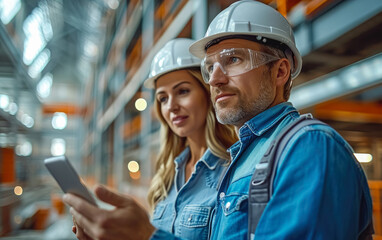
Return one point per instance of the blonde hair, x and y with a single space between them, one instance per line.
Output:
218 137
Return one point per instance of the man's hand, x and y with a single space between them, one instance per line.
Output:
128 220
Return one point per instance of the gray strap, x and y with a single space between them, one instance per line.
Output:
260 189
308 120
367 234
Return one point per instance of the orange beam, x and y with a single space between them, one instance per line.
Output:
266 1
284 6
375 191
163 10
315 6
350 111
5 217
69 109
132 127
7 165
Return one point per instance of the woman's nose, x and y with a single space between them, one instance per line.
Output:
173 104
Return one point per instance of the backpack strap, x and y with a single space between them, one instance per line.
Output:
367 234
261 185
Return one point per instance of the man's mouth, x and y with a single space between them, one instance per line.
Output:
222 96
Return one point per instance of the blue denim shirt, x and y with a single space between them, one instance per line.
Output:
319 191
186 211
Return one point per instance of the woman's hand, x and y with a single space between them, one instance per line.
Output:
128 220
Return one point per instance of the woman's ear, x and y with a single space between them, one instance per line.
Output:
282 68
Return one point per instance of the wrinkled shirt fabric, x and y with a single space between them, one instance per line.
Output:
186 212
319 191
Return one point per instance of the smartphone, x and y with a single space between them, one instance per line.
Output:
67 177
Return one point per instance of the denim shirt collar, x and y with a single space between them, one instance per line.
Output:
182 158
208 159
262 122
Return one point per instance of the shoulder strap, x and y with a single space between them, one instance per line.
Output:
260 189
367 234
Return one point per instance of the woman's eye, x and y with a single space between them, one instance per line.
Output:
183 91
162 99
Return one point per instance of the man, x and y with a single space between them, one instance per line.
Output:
319 190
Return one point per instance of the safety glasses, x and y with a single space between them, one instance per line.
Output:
234 61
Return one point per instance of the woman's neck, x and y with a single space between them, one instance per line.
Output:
197 149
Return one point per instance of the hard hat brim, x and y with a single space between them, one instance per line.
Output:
150 82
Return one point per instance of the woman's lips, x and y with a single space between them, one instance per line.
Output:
179 120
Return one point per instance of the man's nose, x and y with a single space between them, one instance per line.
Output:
218 76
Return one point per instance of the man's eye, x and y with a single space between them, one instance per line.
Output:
233 60
210 68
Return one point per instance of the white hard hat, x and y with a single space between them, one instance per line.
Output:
173 56
250 18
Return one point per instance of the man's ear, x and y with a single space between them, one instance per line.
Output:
282 68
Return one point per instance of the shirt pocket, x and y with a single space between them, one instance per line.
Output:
234 202
158 212
162 218
194 216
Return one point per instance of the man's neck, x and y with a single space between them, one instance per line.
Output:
274 103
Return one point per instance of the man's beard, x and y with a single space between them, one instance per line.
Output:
246 108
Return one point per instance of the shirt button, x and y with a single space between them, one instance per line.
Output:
190 218
222 194
227 205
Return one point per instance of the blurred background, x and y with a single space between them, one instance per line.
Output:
71 74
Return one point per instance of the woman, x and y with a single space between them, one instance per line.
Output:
193 156
191 161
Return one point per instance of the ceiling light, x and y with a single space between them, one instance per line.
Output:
27 120
8 10
363 157
39 63
18 190
133 166
113 4
90 49
12 108
140 104
44 86
59 120
4 101
24 149
38 31
58 147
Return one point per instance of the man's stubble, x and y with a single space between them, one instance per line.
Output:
246 108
